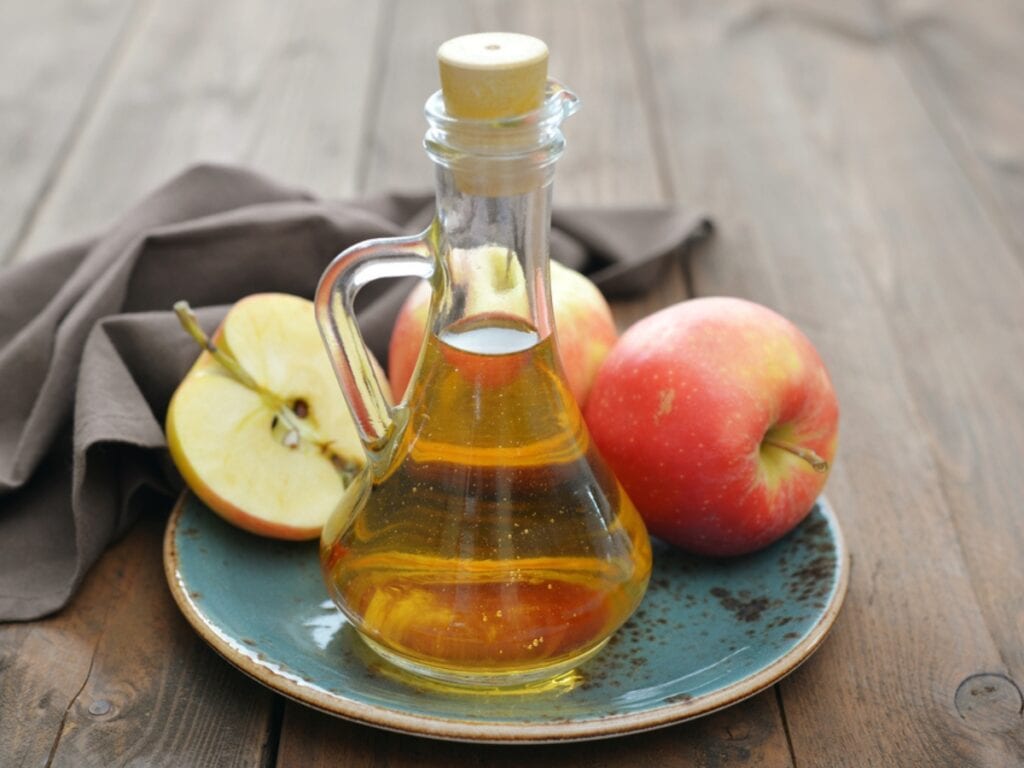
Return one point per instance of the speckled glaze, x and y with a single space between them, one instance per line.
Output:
708 634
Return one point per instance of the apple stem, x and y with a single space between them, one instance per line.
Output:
188 321
817 463
187 318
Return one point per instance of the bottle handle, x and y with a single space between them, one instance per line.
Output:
335 296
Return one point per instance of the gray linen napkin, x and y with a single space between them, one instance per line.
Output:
90 352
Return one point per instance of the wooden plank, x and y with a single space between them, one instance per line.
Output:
611 160
956 325
965 62
743 735
951 286
406 75
279 87
56 54
612 149
154 693
118 674
834 196
44 664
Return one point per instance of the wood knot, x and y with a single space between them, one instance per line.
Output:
100 708
990 702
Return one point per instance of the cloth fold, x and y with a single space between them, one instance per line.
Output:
90 351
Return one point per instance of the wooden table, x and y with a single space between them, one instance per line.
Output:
864 162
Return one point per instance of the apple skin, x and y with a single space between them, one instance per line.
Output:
681 408
583 321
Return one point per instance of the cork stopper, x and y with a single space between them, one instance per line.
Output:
493 75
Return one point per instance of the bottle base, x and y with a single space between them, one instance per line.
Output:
461 678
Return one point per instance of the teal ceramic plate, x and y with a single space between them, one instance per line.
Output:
708 634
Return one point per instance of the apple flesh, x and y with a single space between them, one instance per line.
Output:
720 421
258 427
583 321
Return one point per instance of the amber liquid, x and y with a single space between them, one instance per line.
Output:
499 546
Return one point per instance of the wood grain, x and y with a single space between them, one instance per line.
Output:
966 65
611 158
118 676
280 91
955 326
406 74
277 87
155 694
44 664
55 56
745 735
823 213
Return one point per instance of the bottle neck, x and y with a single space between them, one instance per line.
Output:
494 181
494 254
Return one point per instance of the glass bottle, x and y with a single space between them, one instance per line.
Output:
486 543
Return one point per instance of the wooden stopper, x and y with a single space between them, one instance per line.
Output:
493 75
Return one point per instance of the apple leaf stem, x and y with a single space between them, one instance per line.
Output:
817 463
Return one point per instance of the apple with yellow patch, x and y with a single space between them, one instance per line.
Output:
493 283
720 420
258 427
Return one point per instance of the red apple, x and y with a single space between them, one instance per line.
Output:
584 323
720 421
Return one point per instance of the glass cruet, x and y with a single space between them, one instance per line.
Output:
486 543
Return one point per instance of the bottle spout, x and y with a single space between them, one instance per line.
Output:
558 94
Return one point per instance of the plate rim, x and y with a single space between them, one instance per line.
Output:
452 729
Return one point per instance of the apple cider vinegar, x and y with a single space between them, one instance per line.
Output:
486 543
499 545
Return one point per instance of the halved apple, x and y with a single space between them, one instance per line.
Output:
258 427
